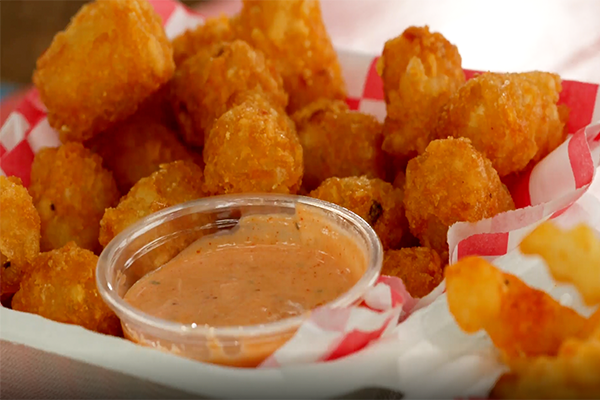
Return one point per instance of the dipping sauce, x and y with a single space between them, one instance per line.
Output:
269 267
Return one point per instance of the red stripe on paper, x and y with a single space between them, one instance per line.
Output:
484 244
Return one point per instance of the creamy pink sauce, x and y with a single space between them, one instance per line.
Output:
271 267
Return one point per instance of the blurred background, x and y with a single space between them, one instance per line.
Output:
561 36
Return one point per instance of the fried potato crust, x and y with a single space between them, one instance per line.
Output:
376 201
572 256
573 374
253 148
211 32
448 183
293 35
172 184
338 142
520 320
211 82
61 286
112 55
19 233
71 190
420 268
420 71
135 148
512 119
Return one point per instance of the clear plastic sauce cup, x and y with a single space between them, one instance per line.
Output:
156 239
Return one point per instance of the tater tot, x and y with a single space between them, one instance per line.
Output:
338 142
19 233
61 286
253 148
293 35
448 183
135 148
210 83
374 200
213 31
521 321
420 268
512 119
172 184
420 70
113 55
70 191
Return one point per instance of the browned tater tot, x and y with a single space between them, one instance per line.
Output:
376 201
420 268
19 233
420 70
448 183
112 56
61 286
253 148
293 35
338 142
172 184
70 191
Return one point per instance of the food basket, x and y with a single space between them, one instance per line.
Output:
425 355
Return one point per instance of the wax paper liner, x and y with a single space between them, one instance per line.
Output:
550 190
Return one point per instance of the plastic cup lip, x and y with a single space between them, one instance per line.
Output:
148 323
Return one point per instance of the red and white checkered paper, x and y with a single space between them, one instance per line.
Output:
549 190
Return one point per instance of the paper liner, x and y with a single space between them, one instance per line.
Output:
427 347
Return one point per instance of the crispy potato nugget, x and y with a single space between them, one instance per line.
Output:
572 256
253 148
520 320
448 183
136 148
420 70
511 118
70 191
338 142
210 83
374 200
62 287
573 373
292 34
420 268
19 233
113 55
212 31
172 184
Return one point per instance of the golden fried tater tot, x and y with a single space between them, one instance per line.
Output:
213 31
253 148
511 118
420 70
338 142
521 321
61 286
70 191
572 256
19 233
172 184
135 148
113 55
448 183
400 180
420 268
573 373
374 200
292 34
210 83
